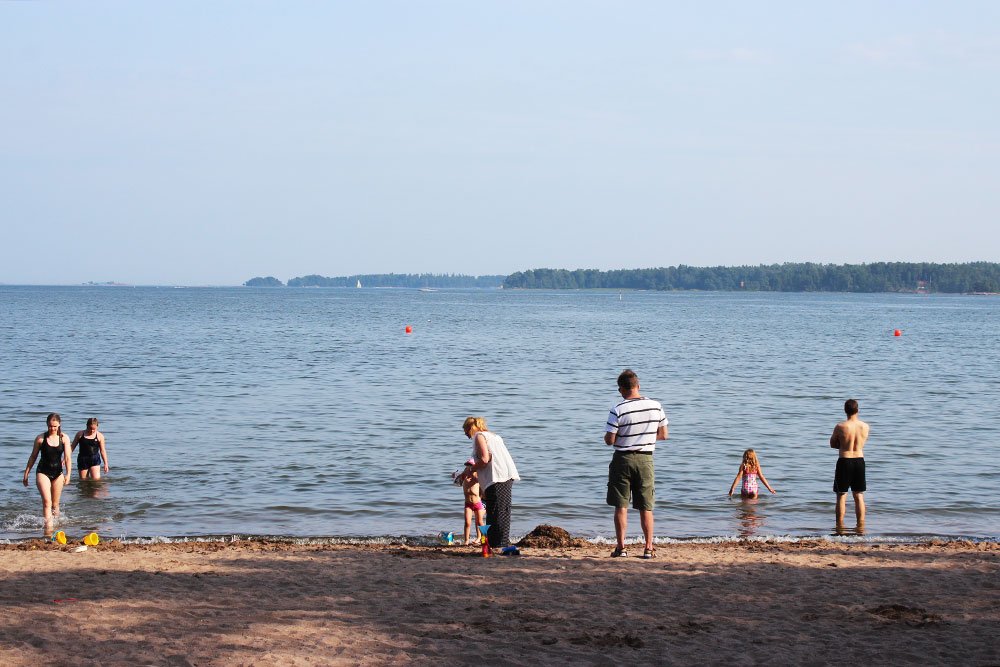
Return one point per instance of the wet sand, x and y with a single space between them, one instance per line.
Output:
272 603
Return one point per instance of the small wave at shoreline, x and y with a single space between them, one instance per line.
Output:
435 541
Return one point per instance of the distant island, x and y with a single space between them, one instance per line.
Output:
270 281
411 280
971 277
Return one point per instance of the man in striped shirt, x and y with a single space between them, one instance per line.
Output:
634 426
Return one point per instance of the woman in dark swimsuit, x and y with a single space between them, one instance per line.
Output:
93 451
53 448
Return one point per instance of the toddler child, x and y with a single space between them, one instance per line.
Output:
475 511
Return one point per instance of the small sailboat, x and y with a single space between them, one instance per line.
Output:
359 284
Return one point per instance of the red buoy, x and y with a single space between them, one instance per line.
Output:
409 329
896 332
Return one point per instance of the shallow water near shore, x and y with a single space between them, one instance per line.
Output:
310 413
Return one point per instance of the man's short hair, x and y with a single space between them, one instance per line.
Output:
628 380
851 407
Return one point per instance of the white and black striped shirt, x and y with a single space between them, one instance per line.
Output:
635 422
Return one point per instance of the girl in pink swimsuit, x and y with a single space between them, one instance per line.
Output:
750 472
475 510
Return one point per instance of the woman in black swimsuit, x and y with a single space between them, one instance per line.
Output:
93 451
52 448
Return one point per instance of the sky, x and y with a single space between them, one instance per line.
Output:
196 143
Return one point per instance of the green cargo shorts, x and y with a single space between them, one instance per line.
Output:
631 477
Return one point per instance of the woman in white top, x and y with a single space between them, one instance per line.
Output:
497 473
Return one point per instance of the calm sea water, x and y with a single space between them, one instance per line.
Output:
309 412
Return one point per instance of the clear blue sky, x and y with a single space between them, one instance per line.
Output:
210 142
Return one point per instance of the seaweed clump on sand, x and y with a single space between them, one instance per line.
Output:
550 537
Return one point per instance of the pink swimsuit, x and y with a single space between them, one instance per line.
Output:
475 506
749 487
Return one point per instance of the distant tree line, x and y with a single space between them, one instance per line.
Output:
415 280
789 277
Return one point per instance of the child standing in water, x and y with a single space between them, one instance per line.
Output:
475 511
749 471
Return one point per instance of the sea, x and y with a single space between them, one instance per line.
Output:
312 415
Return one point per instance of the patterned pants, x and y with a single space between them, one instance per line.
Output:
498 498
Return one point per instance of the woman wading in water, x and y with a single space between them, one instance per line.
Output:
52 448
93 451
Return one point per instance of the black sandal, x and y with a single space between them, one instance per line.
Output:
619 552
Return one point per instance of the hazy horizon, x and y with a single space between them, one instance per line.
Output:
206 144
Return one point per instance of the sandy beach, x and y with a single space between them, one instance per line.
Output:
249 603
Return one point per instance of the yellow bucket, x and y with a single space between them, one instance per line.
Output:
91 540
60 537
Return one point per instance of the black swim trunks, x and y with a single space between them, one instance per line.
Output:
850 475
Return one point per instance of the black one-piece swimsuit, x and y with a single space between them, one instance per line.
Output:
50 460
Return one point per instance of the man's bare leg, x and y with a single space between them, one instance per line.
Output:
859 508
841 508
646 519
621 524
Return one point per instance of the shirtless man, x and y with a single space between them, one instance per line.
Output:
849 438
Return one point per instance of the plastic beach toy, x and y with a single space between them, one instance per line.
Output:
446 537
486 545
60 537
92 540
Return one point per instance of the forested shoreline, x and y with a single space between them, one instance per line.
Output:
917 277
970 277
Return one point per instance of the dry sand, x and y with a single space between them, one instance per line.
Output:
266 603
